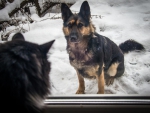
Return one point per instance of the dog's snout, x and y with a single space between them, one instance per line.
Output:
73 39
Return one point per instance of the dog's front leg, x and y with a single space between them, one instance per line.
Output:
81 87
101 83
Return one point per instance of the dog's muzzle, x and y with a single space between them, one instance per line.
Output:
73 38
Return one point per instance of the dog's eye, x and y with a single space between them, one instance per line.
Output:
70 25
80 25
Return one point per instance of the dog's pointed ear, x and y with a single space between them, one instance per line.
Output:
85 11
66 12
46 46
18 36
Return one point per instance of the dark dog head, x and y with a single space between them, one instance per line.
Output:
77 26
24 74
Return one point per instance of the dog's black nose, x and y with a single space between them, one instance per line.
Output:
73 39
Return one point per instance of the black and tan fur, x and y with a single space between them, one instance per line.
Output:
91 54
24 75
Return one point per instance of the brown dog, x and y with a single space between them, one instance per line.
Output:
91 54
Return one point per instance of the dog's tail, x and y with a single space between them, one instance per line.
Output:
131 45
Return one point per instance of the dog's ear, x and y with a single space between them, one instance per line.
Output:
45 47
18 36
85 11
66 12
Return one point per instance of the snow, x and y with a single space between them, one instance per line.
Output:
120 20
10 6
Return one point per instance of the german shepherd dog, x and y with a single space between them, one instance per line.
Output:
91 54
24 75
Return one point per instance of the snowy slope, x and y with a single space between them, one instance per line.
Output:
121 20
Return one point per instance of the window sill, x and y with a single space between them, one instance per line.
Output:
97 103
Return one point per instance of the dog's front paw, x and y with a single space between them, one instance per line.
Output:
100 91
80 92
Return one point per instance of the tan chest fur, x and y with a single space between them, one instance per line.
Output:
88 70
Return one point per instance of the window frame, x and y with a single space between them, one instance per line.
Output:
104 103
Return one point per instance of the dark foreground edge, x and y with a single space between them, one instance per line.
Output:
97 104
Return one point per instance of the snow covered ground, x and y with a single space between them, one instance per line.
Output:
120 20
